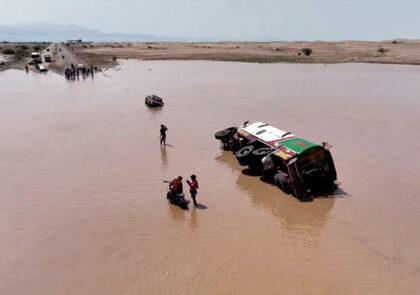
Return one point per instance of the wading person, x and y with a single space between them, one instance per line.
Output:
175 187
163 130
193 184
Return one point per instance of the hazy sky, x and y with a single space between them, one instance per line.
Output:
229 19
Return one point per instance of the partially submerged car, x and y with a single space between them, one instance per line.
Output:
153 101
295 165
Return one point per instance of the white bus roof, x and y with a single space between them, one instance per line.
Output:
266 133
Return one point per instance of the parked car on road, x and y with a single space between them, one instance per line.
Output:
36 57
41 67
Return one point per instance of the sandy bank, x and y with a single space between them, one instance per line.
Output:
393 52
104 55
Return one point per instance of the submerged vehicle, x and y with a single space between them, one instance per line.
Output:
177 200
297 166
153 101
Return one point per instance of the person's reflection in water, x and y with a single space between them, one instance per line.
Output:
194 220
163 155
177 214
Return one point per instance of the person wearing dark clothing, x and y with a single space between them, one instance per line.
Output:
163 130
193 184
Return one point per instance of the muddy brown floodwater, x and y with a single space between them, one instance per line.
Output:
83 208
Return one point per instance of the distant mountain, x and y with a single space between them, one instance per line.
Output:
55 33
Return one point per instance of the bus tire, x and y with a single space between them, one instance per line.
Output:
244 155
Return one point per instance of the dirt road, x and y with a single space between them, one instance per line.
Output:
63 55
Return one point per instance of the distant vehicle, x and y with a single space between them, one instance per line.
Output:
80 67
47 58
36 57
154 101
41 67
297 166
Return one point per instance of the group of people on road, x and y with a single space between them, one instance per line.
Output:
72 73
175 186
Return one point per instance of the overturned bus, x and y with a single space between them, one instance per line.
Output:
297 166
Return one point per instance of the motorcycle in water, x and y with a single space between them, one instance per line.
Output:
177 199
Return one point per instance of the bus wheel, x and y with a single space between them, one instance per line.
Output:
244 155
225 133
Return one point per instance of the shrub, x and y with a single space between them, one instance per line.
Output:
23 46
21 53
114 58
37 48
8 51
394 42
383 50
307 51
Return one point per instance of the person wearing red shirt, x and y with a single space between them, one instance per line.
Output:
193 184
176 185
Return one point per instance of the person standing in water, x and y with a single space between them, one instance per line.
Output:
193 184
163 130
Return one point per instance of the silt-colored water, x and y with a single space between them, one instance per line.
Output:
83 207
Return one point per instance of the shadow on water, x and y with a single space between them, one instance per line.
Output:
270 198
200 206
250 172
154 111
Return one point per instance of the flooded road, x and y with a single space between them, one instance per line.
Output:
83 207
